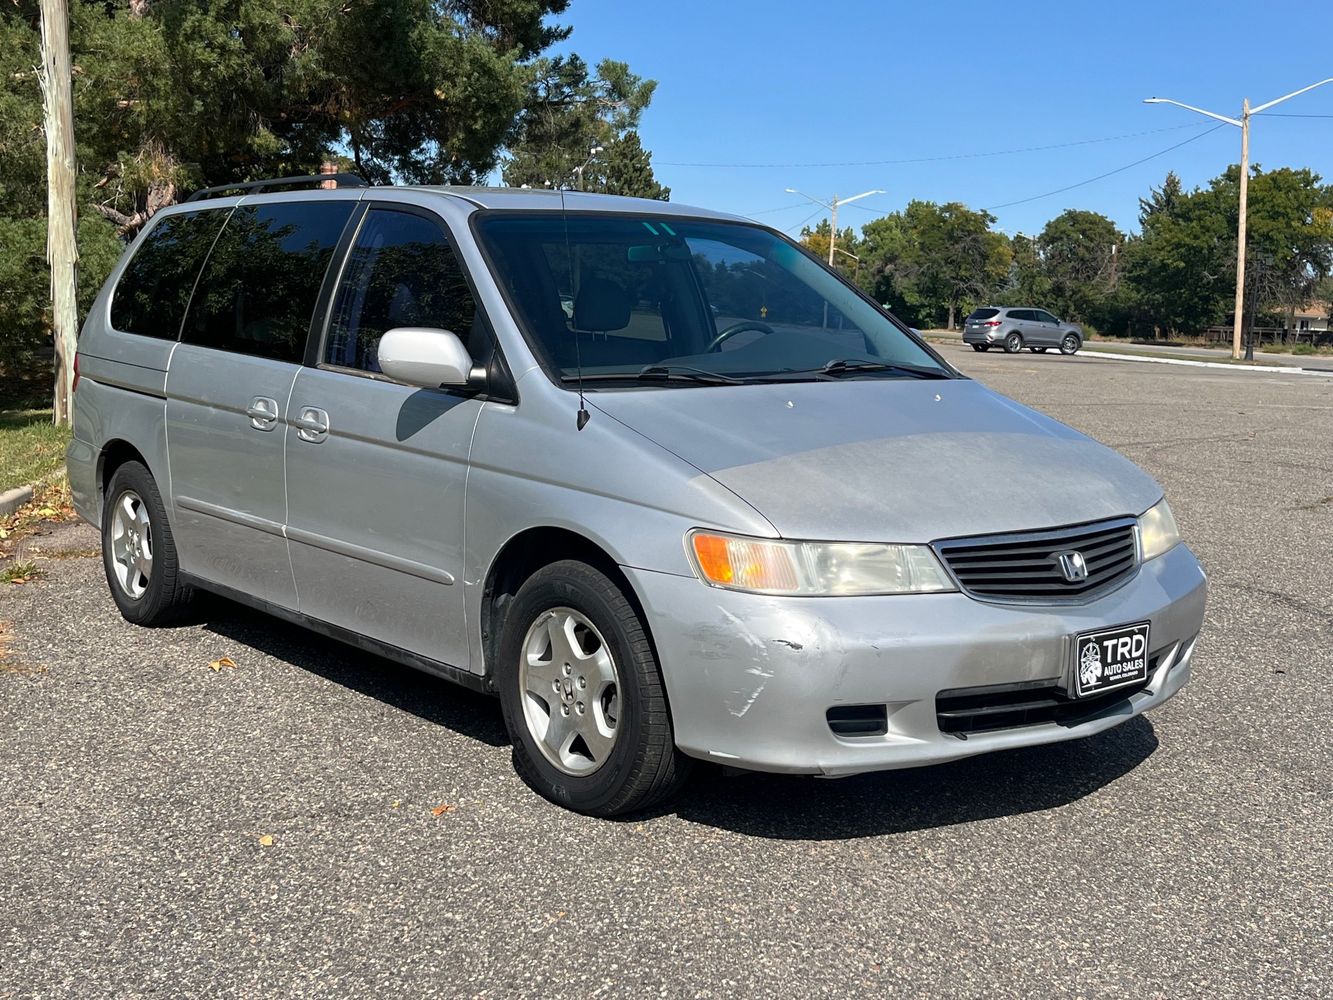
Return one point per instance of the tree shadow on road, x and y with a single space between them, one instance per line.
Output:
1007 783
431 698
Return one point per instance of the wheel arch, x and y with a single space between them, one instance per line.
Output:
523 555
115 453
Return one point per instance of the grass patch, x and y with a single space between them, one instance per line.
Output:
31 447
19 572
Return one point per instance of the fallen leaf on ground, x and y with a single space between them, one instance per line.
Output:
266 840
224 661
396 803
441 809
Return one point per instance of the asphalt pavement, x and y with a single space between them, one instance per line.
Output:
1181 351
275 828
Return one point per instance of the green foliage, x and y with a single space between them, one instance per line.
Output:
936 260
1079 251
570 112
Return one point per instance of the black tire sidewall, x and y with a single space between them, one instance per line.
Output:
1074 350
585 592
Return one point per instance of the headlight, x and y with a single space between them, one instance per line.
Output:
1157 531
818 569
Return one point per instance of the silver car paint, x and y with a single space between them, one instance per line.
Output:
1035 333
376 521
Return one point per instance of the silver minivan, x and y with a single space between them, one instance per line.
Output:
655 476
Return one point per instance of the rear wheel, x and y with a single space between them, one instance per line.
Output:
1070 344
583 696
1013 343
1037 350
139 552
979 348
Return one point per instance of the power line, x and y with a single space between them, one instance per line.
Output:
936 159
1117 170
805 220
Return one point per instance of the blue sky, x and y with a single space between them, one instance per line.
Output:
849 81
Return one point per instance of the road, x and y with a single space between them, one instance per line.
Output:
1184 854
1202 353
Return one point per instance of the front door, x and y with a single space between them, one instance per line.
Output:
227 389
376 470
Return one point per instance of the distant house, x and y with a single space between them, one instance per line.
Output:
1312 318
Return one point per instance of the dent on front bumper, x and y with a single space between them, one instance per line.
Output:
751 678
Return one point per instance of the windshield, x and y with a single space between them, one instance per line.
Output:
635 299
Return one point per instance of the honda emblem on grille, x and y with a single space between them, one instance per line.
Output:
1073 566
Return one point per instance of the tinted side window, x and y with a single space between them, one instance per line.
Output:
155 288
1020 314
258 290
401 272
1046 317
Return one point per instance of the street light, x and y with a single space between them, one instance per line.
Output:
1243 123
832 206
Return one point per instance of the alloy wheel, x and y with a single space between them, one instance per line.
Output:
131 544
570 690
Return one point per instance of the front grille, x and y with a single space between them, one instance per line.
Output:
1026 567
1008 706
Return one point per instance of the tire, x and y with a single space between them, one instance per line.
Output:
139 552
1013 343
640 766
1037 350
981 348
1069 343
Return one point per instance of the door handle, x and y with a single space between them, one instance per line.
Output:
312 424
263 413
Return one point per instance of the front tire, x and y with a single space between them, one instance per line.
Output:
139 552
1013 343
1070 344
583 697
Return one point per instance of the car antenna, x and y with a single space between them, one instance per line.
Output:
581 421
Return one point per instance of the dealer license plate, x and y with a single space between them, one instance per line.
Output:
1110 658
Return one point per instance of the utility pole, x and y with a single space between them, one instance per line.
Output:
61 212
1242 123
832 206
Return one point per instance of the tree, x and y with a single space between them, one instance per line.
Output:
1027 282
1078 252
569 112
847 249
625 168
938 258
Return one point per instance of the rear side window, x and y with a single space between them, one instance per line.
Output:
258 290
1020 314
401 272
983 313
155 288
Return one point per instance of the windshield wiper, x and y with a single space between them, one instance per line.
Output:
668 372
852 366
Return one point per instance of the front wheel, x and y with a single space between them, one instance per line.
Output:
1070 344
1013 343
583 697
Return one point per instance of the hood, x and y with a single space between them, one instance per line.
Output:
887 460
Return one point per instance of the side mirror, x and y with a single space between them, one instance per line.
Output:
426 357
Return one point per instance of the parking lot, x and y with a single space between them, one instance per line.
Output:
275 828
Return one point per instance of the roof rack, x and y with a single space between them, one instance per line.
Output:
255 187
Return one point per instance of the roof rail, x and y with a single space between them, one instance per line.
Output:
255 187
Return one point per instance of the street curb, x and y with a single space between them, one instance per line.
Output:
1260 369
12 500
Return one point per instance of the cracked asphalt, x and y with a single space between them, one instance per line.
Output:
1183 854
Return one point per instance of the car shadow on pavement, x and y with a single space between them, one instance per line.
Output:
428 697
1005 783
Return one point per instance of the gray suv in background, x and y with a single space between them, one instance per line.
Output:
655 476
1015 328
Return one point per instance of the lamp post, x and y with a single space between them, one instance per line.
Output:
1242 123
832 206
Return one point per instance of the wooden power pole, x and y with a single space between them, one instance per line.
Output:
62 252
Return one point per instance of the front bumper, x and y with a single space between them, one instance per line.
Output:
751 678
